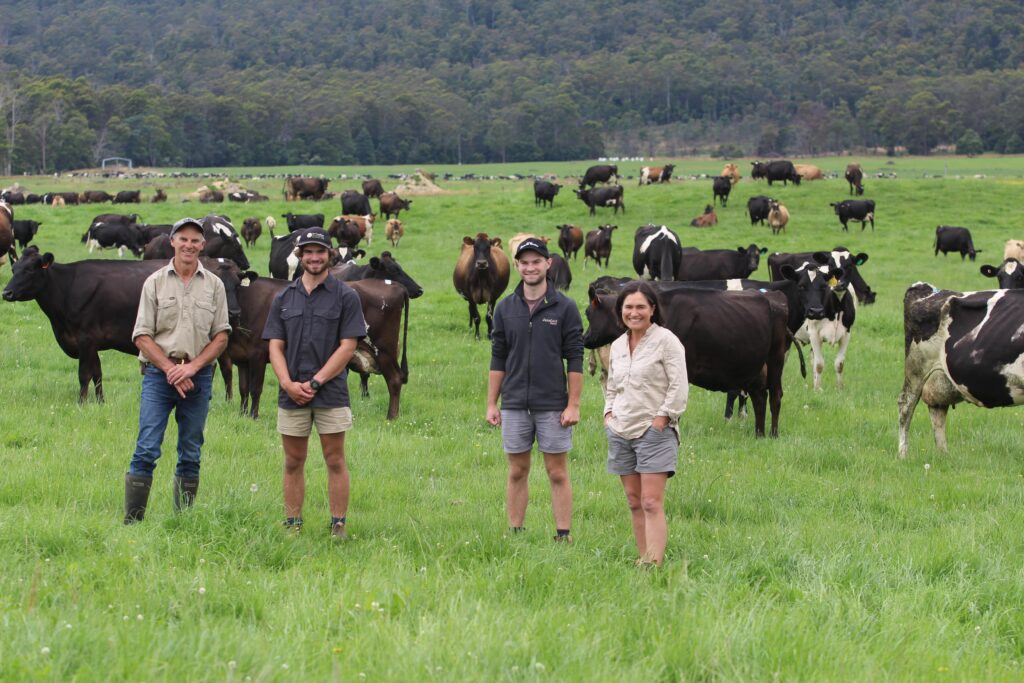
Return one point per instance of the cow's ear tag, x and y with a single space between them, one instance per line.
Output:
387 282
833 282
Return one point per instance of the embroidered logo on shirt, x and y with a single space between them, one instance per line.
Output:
549 321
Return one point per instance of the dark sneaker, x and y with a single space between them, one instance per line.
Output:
292 527
338 532
562 539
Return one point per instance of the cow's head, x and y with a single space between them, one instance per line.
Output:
758 169
816 283
233 277
387 268
604 325
584 195
481 246
30 275
1010 274
606 230
753 256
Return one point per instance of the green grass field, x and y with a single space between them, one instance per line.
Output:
816 556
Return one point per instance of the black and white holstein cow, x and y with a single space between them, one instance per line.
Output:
113 231
952 238
830 307
656 252
733 340
1009 274
959 347
860 210
840 257
613 196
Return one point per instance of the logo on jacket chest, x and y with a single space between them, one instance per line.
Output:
550 321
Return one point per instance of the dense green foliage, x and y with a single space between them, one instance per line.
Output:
817 556
265 82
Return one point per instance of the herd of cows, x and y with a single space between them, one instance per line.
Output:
737 331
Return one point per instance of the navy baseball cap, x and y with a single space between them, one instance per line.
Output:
316 236
532 244
186 222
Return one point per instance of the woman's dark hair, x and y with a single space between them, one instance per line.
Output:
644 288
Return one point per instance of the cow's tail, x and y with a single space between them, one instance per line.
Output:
800 352
405 339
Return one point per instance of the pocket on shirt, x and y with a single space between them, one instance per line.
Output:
166 315
204 312
326 323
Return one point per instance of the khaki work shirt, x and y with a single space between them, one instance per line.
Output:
649 383
181 319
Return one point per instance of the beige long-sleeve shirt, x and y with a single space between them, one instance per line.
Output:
647 383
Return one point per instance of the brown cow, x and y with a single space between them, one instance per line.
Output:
732 173
854 176
570 239
160 196
94 197
656 174
391 203
394 231
481 276
251 231
707 219
364 223
808 171
297 187
372 188
377 353
598 245
7 233
57 200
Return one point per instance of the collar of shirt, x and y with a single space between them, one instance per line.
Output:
548 293
331 284
199 268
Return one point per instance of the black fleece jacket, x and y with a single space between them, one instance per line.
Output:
530 349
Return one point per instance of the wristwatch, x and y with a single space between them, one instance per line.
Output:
314 384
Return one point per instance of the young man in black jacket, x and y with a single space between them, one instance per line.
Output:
537 369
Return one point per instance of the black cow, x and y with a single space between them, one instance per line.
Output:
92 304
559 272
601 173
951 238
598 245
840 257
719 264
251 231
959 347
733 340
603 196
1009 274
656 252
779 169
383 268
114 235
861 210
24 231
758 208
720 188
151 232
544 192
33 199
303 221
354 203
127 197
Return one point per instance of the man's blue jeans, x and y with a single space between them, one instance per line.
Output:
158 399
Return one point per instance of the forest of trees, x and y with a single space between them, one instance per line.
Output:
254 82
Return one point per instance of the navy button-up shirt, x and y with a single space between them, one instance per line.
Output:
312 327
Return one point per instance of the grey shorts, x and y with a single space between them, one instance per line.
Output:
653 452
520 427
299 421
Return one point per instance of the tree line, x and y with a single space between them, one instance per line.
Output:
222 83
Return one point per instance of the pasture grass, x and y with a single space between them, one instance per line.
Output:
816 556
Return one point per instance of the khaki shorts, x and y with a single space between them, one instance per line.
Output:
299 421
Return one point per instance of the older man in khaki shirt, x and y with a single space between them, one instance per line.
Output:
181 328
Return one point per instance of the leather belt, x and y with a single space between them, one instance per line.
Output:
177 361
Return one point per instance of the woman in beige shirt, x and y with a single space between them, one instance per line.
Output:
644 397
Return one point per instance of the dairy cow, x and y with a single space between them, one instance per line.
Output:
656 252
719 264
481 276
1009 274
956 239
544 192
860 210
613 196
959 347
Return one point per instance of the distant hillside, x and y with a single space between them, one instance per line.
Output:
259 82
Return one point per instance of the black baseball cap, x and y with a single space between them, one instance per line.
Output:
532 244
186 222
317 236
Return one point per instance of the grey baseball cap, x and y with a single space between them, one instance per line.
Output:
185 222
316 236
